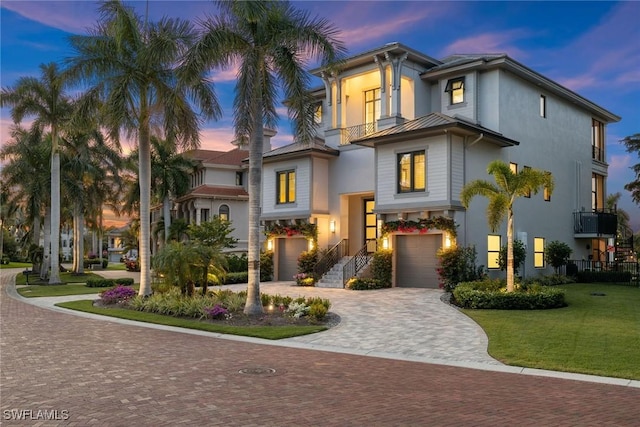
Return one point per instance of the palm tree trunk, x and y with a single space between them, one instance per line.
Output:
74 266
166 212
35 238
78 221
44 267
510 270
144 257
253 305
54 278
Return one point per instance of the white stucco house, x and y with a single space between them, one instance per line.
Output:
399 135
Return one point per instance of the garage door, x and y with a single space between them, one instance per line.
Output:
288 252
416 261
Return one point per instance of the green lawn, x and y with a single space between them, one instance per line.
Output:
16 265
267 332
598 335
73 284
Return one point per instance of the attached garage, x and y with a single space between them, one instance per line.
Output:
416 261
287 252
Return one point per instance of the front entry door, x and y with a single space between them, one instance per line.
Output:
370 225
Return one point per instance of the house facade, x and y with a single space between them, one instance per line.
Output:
400 134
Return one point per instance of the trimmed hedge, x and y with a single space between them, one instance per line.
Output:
107 283
485 295
621 277
364 284
238 277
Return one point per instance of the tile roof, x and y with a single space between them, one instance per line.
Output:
233 157
215 191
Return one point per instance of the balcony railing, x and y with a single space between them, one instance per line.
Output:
356 132
597 153
595 223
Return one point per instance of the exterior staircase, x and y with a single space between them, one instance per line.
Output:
333 278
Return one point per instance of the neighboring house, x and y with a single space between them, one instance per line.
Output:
218 188
116 245
400 134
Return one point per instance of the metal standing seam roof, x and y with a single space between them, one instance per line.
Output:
298 147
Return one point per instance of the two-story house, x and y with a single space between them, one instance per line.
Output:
400 134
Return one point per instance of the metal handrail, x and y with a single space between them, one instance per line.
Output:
331 258
356 263
352 133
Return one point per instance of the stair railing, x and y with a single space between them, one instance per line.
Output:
357 262
331 258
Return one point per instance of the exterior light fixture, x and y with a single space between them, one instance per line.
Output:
270 244
385 243
332 226
447 241
310 244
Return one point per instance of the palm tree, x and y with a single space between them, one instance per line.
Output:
133 67
502 195
624 230
170 174
46 100
269 41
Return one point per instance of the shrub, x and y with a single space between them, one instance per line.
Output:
106 283
317 311
557 254
105 263
550 280
238 264
304 279
484 295
604 276
363 284
117 295
266 266
88 262
381 266
297 309
458 264
239 277
132 265
307 261
216 312
519 255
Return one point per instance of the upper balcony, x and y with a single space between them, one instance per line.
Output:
595 224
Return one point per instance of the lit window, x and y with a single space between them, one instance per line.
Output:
371 110
493 251
412 172
223 212
455 88
286 183
528 193
513 167
597 140
317 114
547 192
538 252
543 106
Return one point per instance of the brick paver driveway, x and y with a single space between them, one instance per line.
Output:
101 373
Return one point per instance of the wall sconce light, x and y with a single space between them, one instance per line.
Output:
385 243
447 241
270 244
332 226
310 244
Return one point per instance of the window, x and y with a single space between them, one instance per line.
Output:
204 215
513 167
493 251
411 172
239 178
538 252
597 140
597 192
371 109
543 106
317 114
455 88
223 212
528 193
286 187
546 191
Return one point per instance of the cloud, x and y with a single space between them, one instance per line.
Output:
70 16
489 43
619 168
217 138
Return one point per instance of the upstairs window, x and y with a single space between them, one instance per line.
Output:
514 168
372 108
543 106
597 140
239 180
286 187
455 89
412 172
547 192
223 212
317 114
538 252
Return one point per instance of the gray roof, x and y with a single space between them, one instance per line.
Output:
301 148
433 122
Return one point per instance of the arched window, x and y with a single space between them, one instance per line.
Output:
223 212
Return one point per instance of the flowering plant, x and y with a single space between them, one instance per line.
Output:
217 312
422 225
297 309
307 230
304 279
117 295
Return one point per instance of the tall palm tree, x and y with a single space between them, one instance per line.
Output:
46 100
270 41
508 187
133 67
170 172
624 230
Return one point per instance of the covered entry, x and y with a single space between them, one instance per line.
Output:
416 261
287 252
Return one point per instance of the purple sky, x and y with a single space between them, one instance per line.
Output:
593 48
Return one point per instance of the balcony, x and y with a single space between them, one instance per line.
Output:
597 153
356 132
595 224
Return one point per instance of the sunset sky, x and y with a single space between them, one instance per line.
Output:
592 48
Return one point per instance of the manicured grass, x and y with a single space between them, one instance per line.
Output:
266 332
16 265
597 335
61 290
116 266
65 278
